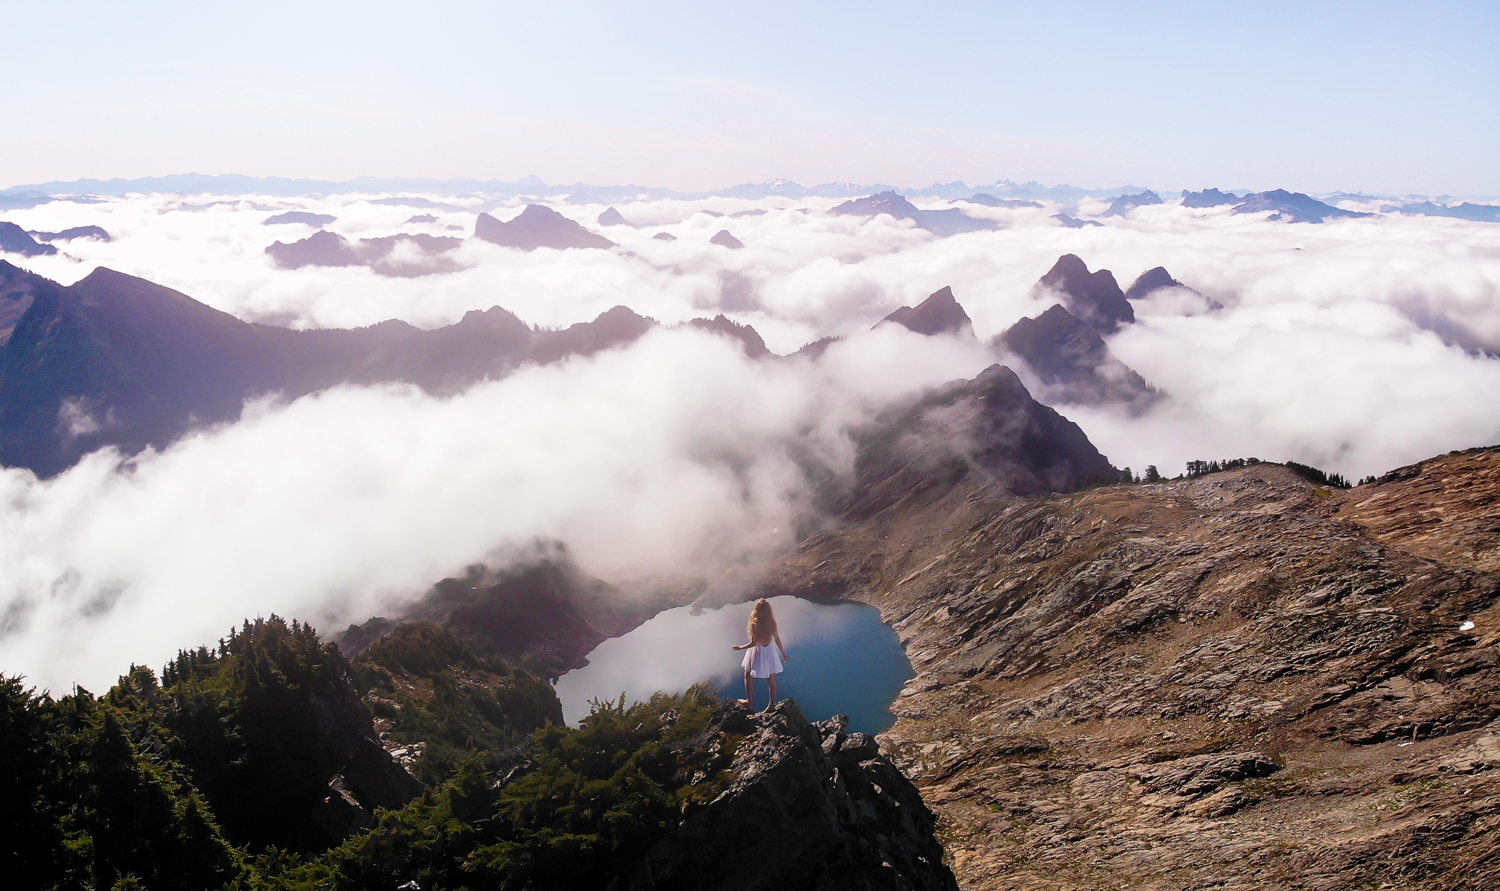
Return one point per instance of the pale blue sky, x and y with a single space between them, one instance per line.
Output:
1386 97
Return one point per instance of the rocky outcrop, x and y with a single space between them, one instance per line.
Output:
806 807
537 226
1074 364
1244 680
988 432
1064 346
1443 509
938 314
1093 297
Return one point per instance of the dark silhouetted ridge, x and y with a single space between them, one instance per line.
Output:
1151 280
538 227
1479 213
988 429
1094 297
723 238
991 201
301 216
613 328
748 337
612 217
15 240
1292 207
1124 203
119 361
938 314
1073 363
1208 198
939 222
94 232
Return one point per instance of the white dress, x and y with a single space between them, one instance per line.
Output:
762 662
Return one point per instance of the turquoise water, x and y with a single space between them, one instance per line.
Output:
844 660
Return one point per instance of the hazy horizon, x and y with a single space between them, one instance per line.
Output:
1382 97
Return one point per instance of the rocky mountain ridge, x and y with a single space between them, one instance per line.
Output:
117 360
1243 680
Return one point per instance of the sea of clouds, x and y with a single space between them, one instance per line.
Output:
1355 345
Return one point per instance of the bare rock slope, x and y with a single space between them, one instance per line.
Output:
1239 681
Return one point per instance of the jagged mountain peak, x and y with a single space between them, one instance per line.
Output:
612 217
1072 362
537 226
1151 280
878 203
749 338
1208 198
940 313
1094 297
1123 204
15 240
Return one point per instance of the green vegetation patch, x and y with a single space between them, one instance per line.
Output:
433 690
588 804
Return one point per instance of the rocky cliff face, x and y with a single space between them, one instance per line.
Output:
807 807
1093 297
1073 363
1239 681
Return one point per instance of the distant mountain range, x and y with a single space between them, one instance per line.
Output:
939 222
1284 205
115 360
577 193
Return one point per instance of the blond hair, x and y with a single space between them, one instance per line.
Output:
762 626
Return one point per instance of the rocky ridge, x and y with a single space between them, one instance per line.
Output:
1239 681
804 806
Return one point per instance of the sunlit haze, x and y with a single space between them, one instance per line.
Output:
1383 97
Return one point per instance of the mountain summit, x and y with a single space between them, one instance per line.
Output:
1094 297
537 227
938 314
939 222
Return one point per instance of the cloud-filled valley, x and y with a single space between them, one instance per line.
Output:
1355 345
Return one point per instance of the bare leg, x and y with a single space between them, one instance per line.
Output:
749 691
773 693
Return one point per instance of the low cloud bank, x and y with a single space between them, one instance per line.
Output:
671 456
1356 345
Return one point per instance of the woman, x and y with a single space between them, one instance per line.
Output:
762 661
